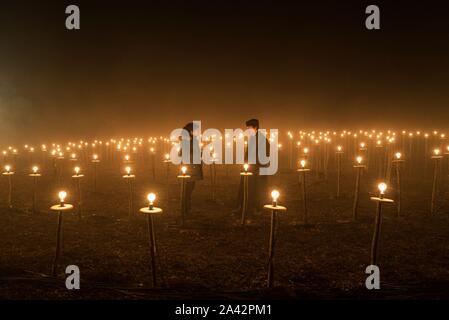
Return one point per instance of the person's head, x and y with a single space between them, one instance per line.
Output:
192 128
189 127
252 124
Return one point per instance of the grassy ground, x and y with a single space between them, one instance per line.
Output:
213 256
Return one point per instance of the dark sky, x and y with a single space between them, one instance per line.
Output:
142 67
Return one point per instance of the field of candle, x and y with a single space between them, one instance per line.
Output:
212 255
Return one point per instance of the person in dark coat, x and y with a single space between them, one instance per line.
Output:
257 183
195 171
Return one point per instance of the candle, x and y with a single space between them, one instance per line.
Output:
62 195
184 170
151 198
382 188
275 195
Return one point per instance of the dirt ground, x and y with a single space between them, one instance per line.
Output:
213 256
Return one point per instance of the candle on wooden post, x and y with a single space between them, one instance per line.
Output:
60 208
378 221
35 175
167 162
436 158
77 177
150 211
213 175
245 174
302 172
447 154
153 163
274 208
339 152
183 177
290 146
95 161
8 173
398 159
130 178
359 166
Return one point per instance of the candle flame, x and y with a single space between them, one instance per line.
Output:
62 195
382 187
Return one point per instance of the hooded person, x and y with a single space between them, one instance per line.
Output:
257 183
195 171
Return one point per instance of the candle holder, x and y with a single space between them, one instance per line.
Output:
9 174
436 159
77 178
35 175
302 173
213 178
397 163
359 168
378 221
447 162
153 163
338 153
150 211
95 162
183 177
274 208
130 179
60 208
167 162
290 150
245 175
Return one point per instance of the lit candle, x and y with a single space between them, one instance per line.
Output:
275 196
359 159
62 195
151 198
382 188
303 163
77 170
184 170
398 155
128 170
436 152
245 167
35 169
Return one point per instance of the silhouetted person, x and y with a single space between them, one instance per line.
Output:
195 171
257 183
